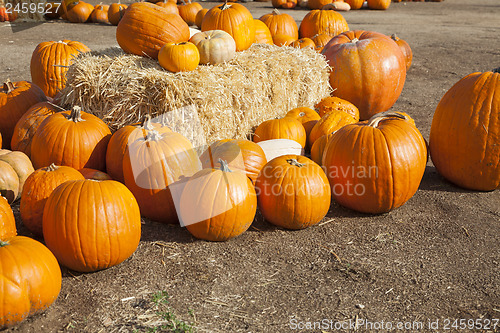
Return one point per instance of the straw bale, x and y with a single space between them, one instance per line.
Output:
214 102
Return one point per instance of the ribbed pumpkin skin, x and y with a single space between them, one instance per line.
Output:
317 4
283 128
465 134
91 225
116 12
375 168
9 182
332 103
241 155
262 33
379 4
330 123
30 279
152 164
319 146
233 18
293 192
7 220
28 124
319 21
78 144
21 164
355 4
225 203
369 72
49 63
37 189
281 24
15 99
188 11
405 48
146 27
171 7
307 116
320 40
214 46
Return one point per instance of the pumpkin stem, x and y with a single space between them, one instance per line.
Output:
377 118
394 37
153 136
3 243
276 11
293 161
224 167
224 6
8 86
52 167
355 40
146 122
76 114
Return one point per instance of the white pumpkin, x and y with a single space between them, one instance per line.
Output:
279 147
215 46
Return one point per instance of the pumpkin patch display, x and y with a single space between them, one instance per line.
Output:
116 12
283 128
15 100
30 279
241 155
464 137
38 187
106 210
281 24
320 21
214 46
7 220
74 138
368 70
226 203
179 57
233 18
145 37
375 166
49 63
293 192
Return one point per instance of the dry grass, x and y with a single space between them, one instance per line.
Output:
228 100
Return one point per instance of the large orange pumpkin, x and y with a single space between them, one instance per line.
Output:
7 220
293 192
319 21
233 18
15 99
146 27
375 166
281 24
465 133
30 279
37 189
50 61
368 70
91 225
241 155
225 203
283 128
74 138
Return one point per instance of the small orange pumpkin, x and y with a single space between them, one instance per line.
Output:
282 128
303 43
7 220
188 11
330 122
307 116
405 48
116 12
281 24
332 103
179 57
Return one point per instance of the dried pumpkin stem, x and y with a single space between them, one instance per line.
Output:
51 167
76 114
276 11
224 6
3 243
355 40
293 161
224 167
153 136
146 122
377 118
8 86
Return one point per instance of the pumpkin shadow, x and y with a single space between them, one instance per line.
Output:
433 181
152 231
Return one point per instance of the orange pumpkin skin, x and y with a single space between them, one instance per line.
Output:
465 132
94 174
303 43
320 40
375 166
161 160
379 4
283 40
287 4
368 70
116 12
143 37
281 24
79 11
283 128
74 138
405 48
188 11
49 63
28 124
319 21
355 4
100 14
171 7
293 192
332 103
7 220
317 4
111 220
241 155
233 18
15 99
179 57
37 189
330 122
199 17
319 146
226 204
30 279
307 116
262 33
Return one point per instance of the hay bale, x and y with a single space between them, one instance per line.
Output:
229 100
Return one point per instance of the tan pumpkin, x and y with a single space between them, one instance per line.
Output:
281 24
9 182
339 6
283 128
214 46
21 164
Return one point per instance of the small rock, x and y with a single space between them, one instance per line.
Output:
360 306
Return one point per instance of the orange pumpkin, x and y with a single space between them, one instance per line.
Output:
405 48
281 24
37 189
283 40
355 4
371 177
286 4
368 70
169 6
293 192
179 57
30 279
7 220
320 40
15 100
262 33
319 21
317 4
464 137
116 12
283 128
50 61
145 37
106 210
307 116
303 43
74 138
226 204
199 17
330 122
78 11
319 146
233 18
378 4
241 155
94 174
188 11
332 103
100 14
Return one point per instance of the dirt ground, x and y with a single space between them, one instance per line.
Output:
436 259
